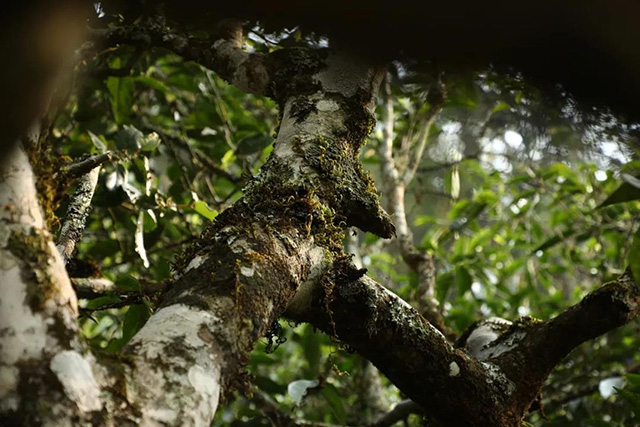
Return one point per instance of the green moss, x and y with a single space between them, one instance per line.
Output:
31 249
526 322
50 184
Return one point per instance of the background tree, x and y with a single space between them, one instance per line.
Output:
151 144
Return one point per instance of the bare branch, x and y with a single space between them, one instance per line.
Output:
77 212
399 412
91 287
425 131
418 261
77 169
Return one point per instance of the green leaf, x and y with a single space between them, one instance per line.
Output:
268 385
203 209
99 302
330 393
152 83
312 350
227 159
128 283
463 281
128 138
121 91
150 221
149 142
500 106
98 142
634 381
134 320
634 256
627 192
552 241
444 282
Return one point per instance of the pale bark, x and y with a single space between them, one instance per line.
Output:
38 312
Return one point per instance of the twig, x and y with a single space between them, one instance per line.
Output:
130 300
74 170
281 419
91 287
399 412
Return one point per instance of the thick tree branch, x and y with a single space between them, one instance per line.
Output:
40 351
248 265
495 389
410 351
530 350
92 287
250 72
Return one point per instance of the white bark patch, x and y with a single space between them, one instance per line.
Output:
196 262
327 105
454 369
160 416
247 271
299 304
76 377
479 339
173 322
164 393
18 191
344 75
505 346
23 334
203 381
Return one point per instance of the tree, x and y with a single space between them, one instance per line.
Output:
278 250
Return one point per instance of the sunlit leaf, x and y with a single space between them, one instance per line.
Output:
203 209
121 97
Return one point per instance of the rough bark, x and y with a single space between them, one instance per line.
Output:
77 213
45 376
248 265
494 387
278 248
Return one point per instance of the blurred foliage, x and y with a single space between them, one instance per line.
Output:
545 209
